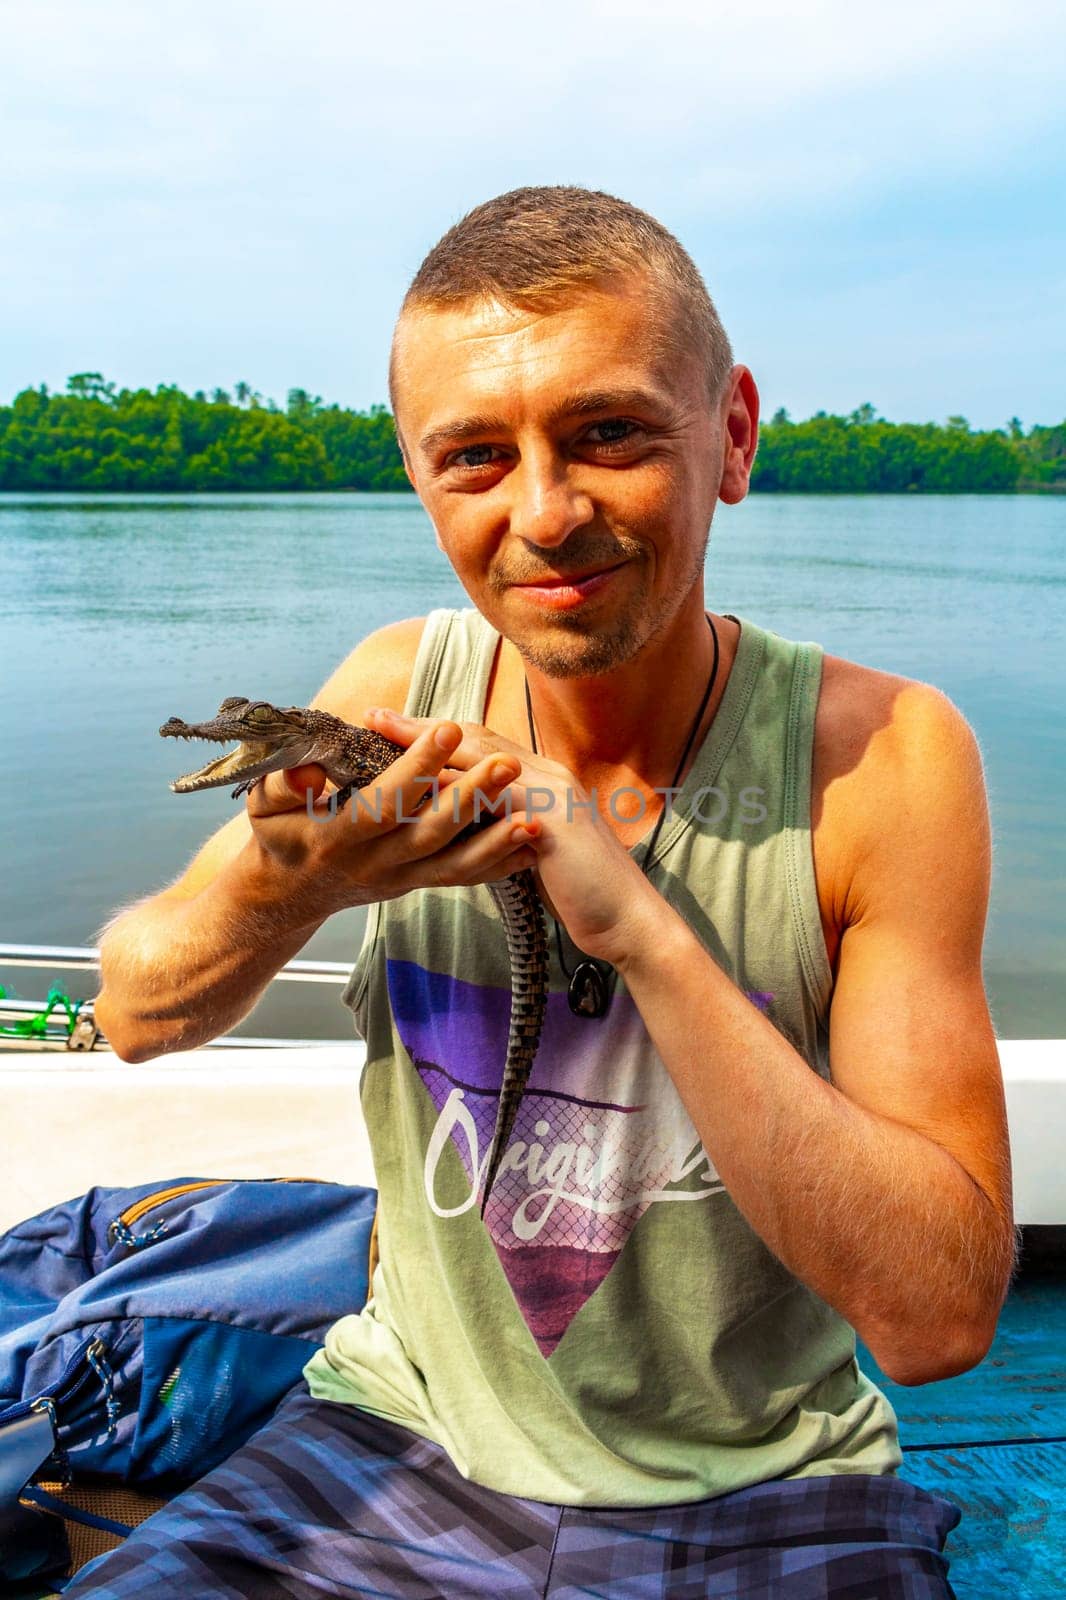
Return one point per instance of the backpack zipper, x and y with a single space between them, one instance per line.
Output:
57 1392
148 1202
120 1230
88 1361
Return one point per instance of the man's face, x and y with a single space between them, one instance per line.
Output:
570 462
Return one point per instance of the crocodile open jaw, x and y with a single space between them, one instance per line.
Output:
235 765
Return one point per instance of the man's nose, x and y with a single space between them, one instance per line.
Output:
547 504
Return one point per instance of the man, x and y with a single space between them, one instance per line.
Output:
774 1117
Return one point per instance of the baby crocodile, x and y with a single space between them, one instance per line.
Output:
272 739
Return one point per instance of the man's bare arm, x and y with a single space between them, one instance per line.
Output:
188 963
887 1190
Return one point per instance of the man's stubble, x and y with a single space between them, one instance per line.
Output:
588 650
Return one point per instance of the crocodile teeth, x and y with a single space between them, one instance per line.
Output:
233 765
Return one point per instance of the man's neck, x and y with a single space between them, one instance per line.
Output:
630 724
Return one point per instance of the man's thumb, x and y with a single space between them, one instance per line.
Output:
286 791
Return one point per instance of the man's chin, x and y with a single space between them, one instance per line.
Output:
569 648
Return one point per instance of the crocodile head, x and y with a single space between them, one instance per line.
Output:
271 739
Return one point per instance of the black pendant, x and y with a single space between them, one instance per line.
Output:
587 994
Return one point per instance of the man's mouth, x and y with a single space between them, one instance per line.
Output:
570 588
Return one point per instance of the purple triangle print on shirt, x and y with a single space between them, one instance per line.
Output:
601 1134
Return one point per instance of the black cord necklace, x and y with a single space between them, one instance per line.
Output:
588 993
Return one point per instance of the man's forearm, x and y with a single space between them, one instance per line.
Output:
178 970
879 1220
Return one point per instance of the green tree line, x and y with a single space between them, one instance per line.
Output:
864 454
99 437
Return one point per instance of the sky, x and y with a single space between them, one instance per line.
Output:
200 193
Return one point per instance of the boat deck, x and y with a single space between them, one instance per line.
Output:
994 1441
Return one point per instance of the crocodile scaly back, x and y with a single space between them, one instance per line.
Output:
527 946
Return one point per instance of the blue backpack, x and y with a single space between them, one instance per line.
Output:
146 1333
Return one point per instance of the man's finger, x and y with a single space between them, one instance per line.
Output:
487 857
413 777
397 727
285 791
477 741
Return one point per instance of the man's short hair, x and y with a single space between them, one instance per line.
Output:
532 247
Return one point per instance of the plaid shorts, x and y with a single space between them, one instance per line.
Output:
328 1500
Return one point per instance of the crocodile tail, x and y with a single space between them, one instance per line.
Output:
527 946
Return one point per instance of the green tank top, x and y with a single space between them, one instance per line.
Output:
618 1335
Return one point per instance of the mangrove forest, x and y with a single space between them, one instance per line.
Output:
98 437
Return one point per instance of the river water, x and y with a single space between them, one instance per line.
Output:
118 611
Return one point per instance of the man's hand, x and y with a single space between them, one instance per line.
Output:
588 879
401 832
188 962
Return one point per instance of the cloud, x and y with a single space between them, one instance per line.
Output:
773 102
266 176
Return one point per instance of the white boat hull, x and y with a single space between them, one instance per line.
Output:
75 1120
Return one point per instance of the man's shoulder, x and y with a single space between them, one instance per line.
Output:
376 673
868 716
891 753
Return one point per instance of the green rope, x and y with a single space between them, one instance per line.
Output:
36 1027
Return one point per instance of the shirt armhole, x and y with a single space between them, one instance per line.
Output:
799 844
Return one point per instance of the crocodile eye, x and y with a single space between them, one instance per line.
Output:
232 703
261 713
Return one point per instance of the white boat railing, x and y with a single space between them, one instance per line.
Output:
86 958
238 1107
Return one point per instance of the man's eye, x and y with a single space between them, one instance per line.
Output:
475 455
616 430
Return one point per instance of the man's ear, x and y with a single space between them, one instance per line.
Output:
740 424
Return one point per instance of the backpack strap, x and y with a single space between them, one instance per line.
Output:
31 1545
26 1442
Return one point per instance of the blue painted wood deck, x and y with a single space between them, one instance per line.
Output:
994 1441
